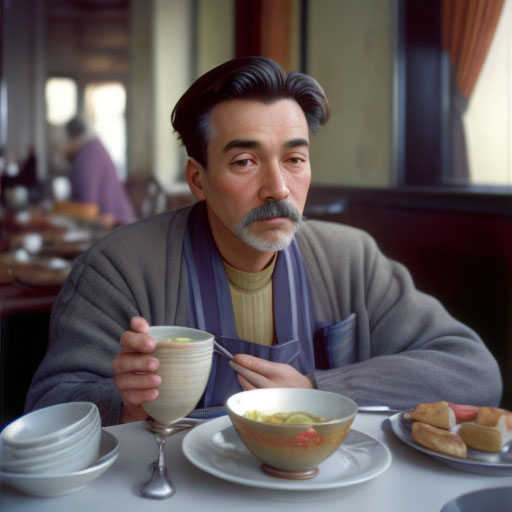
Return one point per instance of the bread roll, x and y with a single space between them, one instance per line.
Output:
439 440
491 431
437 414
481 437
494 416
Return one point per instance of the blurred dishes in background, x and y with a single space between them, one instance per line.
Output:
16 197
75 209
38 247
21 267
61 188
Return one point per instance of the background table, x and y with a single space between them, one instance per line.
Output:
414 481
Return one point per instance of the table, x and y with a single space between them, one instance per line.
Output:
414 481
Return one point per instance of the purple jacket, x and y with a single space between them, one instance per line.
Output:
94 180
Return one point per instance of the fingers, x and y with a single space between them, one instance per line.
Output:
137 342
265 374
135 390
132 383
254 378
139 324
132 404
246 385
255 364
126 362
134 369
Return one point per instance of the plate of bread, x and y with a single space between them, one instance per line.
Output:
467 437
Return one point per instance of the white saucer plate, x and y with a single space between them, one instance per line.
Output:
50 485
483 463
215 448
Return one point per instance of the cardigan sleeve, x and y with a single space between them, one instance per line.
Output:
91 313
137 270
410 349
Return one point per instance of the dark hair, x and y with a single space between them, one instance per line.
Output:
243 78
76 127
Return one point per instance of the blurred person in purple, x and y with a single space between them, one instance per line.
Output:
93 174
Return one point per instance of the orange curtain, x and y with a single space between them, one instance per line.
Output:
468 27
275 31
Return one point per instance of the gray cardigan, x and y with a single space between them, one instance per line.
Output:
409 348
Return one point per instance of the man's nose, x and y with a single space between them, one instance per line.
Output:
273 184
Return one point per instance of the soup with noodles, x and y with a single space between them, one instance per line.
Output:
286 418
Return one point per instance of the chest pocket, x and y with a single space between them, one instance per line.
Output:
337 343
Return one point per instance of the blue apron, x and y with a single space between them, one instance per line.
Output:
212 311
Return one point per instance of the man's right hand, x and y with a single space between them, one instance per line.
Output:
134 369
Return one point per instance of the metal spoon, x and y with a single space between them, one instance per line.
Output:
251 376
159 485
217 347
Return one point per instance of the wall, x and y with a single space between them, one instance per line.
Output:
215 33
139 114
171 75
350 53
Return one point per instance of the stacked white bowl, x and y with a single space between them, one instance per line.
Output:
59 439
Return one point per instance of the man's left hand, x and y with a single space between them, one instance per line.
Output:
268 374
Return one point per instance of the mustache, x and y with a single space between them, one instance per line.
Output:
269 210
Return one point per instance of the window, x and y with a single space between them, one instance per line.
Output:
105 104
450 137
61 100
487 119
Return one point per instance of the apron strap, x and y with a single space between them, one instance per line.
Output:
212 310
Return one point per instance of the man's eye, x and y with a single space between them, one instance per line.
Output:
242 163
295 160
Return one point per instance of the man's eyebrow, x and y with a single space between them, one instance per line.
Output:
240 143
294 143
248 144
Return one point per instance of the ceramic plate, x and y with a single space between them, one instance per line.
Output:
46 485
215 448
497 499
484 463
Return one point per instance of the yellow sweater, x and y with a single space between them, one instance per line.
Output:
251 294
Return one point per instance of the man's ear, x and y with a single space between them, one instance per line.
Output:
193 174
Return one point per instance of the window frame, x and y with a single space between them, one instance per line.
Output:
421 104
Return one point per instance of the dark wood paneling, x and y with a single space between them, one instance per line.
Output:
248 27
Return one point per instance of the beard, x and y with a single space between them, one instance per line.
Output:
268 210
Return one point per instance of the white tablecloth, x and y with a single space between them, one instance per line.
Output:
413 482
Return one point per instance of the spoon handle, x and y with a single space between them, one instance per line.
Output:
221 350
253 377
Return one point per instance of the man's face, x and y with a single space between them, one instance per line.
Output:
258 174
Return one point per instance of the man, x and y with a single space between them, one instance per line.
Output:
302 304
93 175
